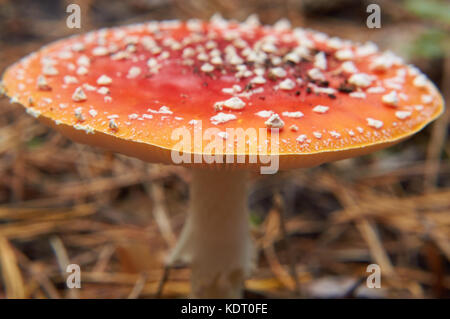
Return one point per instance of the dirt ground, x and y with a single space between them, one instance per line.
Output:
316 230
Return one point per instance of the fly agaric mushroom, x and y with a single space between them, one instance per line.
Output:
127 89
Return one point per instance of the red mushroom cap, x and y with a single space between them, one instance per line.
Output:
128 88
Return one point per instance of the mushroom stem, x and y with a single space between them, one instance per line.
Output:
216 238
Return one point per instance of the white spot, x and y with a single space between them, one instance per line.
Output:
374 123
222 118
274 121
86 128
344 54
233 103
233 90
89 87
320 61
358 95
292 57
323 90
33 112
349 67
335 134
317 134
104 80
79 113
426 99
269 47
360 79
202 57
390 98
315 74
376 89
100 51
278 72
82 70
188 53
92 112
234 59
302 50
152 63
287 84
320 109
276 60
164 55
164 110
207 68
393 84
420 81
335 43
133 72
84 61
252 21
295 115
402 114
77 47
264 114
112 124
258 80
79 95
42 83
385 61
217 60
49 69
103 90
121 55
301 138
282 25
14 99
68 79
367 49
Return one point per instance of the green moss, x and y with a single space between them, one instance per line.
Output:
255 219
437 10
430 44
35 142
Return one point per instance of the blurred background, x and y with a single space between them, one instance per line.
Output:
316 230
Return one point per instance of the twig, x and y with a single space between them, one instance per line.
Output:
138 287
11 273
162 282
438 137
160 213
291 253
63 261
